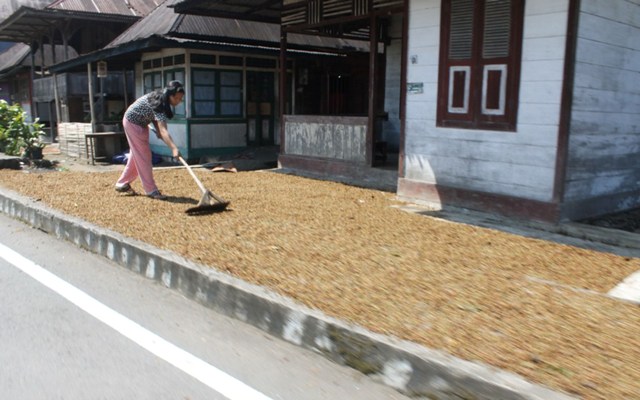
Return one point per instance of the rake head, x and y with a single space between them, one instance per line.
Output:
209 203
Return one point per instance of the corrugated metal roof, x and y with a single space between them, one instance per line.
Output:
158 22
28 23
138 8
338 18
163 21
18 55
230 29
163 28
13 56
9 7
252 10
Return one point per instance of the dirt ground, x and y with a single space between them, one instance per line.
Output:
535 308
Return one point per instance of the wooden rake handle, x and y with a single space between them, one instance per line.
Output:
193 175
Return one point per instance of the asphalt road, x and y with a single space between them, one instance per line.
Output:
76 326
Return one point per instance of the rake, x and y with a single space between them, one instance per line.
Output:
210 202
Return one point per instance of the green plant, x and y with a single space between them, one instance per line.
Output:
4 122
17 136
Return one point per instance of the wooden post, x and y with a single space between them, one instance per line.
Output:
42 61
91 108
53 46
373 101
566 102
57 103
283 86
33 77
126 95
403 86
65 40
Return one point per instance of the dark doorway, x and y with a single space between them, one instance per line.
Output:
260 108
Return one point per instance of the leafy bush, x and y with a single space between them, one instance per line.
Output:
17 136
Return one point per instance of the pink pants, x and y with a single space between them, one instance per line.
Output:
139 162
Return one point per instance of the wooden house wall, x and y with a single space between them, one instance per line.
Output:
223 135
603 172
334 137
517 164
178 131
75 84
20 90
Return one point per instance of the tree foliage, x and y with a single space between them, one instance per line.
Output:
17 135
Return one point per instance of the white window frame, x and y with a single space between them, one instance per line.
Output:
467 87
503 89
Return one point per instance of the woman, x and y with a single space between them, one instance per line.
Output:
154 108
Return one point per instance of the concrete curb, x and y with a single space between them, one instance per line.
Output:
411 369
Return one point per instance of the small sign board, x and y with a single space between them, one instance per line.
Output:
102 69
415 87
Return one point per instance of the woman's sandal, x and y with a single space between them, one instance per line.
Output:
156 195
126 188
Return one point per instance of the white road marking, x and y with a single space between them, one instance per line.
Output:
214 378
629 289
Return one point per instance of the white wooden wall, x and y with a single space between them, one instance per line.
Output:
218 135
605 128
178 132
520 163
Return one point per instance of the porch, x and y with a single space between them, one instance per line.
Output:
333 107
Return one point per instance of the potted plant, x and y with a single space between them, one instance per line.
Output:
33 140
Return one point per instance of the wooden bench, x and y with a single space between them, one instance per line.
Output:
89 142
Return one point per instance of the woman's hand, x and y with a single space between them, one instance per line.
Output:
166 138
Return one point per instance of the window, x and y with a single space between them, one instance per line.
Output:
216 93
231 60
178 59
230 93
163 62
261 62
152 81
204 93
480 63
197 58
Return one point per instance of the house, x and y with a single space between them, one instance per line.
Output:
528 108
15 76
70 27
16 66
230 69
353 134
523 108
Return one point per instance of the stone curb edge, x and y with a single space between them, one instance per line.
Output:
411 369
